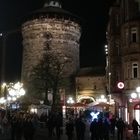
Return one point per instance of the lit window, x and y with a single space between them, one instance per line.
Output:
134 70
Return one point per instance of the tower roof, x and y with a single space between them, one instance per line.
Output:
53 8
53 3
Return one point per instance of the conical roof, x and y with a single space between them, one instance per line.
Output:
52 8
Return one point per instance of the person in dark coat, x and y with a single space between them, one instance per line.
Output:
28 128
135 127
112 126
120 128
51 125
100 129
80 129
19 127
106 127
13 127
94 129
69 129
58 125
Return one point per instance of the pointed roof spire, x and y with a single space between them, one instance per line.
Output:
53 3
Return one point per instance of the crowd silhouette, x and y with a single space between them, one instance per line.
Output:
23 126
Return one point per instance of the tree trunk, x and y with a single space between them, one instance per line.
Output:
56 100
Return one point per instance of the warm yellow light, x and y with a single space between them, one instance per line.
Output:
85 97
3 85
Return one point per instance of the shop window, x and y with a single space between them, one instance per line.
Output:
137 112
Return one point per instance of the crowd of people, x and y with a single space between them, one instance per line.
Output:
103 129
24 125
19 124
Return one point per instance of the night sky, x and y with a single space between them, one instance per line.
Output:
95 17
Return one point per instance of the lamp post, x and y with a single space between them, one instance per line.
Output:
108 73
69 101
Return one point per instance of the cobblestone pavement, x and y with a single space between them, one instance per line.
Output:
42 134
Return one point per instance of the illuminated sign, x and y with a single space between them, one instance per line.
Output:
120 85
94 115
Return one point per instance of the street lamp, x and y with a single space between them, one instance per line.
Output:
16 90
108 73
12 93
70 100
136 94
101 99
64 108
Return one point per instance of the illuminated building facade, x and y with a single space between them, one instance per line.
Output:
55 28
123 35
90 83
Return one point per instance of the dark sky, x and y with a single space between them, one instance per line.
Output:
94 14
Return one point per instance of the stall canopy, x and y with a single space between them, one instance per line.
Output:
78 105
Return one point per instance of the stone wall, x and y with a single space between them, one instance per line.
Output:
59 35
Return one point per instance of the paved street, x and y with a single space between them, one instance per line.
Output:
42 134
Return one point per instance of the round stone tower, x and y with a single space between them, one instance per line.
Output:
54 25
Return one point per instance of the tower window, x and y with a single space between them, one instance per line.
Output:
133 35
134 70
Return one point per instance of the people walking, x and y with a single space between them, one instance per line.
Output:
58 125
100 129
19 127
120 128
135 127
106 126
28 128
112 126
13 127
80 128
51 125
70 129
94 130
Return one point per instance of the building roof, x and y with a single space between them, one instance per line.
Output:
50 10
90 71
